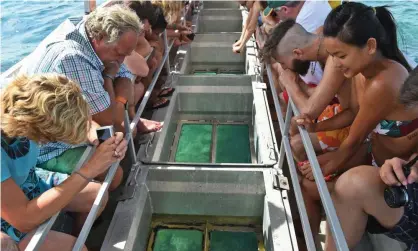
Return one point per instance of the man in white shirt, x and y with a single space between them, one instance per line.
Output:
311 15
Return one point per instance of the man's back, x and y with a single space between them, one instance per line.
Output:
312 15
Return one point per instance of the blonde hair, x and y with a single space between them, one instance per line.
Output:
112 22
172 9
44 108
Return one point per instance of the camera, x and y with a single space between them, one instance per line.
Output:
401 196
103 133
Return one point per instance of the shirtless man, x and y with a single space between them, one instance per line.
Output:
154 21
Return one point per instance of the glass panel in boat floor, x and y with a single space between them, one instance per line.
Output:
205 233
178 240
227 241
194 144
233 144
212 142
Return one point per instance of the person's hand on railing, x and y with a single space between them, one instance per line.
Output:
325 162
107 153
392 174
305 121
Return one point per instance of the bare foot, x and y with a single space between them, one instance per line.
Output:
147 126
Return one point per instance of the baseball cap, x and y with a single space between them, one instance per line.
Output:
272 5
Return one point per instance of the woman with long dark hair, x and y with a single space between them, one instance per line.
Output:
362 41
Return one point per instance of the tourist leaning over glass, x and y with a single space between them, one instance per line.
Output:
35 110
360 198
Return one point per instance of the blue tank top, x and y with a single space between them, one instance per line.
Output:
18 160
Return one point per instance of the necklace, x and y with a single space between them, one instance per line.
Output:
317 56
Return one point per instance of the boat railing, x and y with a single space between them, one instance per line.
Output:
42 231
285 149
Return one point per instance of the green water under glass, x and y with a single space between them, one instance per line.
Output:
194 143
232 143
178 240
237 241
192 240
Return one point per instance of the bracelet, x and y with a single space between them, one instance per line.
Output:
83 176
108 76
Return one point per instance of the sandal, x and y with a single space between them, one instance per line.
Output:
160 103
166 92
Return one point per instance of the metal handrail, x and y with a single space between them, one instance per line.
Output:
42 230
326 200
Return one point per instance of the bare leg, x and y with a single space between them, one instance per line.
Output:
139 92
311 195
54 241
82 203
7 243
313 203
117 179
357 194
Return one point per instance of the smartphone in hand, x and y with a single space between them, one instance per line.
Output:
105 132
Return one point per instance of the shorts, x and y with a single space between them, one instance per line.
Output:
51 179
406 229
331 140
64 163
39 182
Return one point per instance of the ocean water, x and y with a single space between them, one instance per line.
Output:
406 17
25 23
